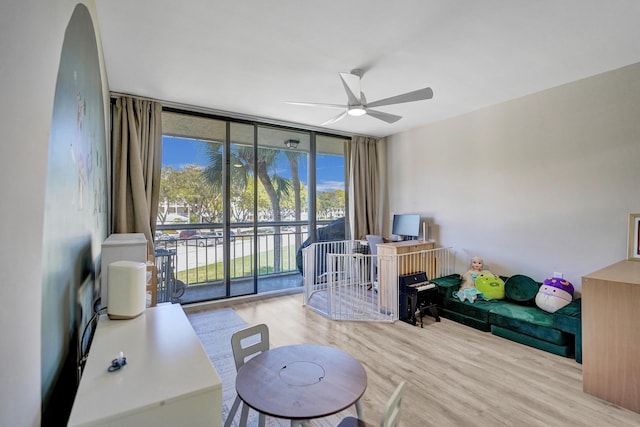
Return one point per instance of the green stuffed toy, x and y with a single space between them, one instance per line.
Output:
491 286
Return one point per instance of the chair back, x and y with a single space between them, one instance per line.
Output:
391 415
249 342
373 241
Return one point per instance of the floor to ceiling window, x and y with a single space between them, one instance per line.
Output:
237 202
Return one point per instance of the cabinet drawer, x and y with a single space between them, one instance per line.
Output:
416 247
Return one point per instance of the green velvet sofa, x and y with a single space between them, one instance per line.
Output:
516 317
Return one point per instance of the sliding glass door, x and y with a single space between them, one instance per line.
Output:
282 205
238 200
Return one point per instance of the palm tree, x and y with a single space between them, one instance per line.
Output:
293 157
245 165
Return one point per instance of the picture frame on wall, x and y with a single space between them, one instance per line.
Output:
633 253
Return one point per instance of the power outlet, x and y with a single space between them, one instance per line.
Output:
558 274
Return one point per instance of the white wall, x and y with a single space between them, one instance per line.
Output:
537 185
31 34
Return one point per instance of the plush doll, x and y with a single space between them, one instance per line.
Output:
491 286
469 278
554 294
468 287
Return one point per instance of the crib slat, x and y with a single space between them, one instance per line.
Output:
340 279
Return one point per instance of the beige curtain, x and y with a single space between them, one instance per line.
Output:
137 160
365 187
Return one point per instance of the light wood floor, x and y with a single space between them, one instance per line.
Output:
456 375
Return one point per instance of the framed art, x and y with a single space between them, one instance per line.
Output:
634 237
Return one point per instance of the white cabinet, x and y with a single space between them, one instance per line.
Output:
168 379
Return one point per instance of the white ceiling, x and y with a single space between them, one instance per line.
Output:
249 57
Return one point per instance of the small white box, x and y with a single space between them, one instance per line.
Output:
127 297
121 247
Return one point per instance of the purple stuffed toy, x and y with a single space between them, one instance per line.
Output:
554 294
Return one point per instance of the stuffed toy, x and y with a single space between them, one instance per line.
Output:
491 286
469 278
469 294
478 283
554 294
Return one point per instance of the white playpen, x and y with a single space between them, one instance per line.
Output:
344 282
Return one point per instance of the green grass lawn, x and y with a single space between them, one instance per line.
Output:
240 267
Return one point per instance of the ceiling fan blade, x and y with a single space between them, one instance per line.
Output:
351 83
335 119
385 117
314 104
416 95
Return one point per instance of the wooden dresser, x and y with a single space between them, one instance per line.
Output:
611 334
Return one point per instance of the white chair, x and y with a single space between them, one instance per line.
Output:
245 346
390 417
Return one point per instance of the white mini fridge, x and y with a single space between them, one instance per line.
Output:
120 247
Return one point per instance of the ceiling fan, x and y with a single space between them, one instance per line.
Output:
357 103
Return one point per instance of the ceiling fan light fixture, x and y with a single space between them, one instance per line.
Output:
356 111
357 104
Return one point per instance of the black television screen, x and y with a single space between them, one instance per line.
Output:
406 225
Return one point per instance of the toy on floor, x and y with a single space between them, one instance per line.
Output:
554 294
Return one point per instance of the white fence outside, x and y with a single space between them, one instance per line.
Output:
343 282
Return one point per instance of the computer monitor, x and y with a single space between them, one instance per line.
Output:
406 225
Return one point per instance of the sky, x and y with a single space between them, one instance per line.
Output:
178 152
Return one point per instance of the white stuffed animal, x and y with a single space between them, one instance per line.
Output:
554 294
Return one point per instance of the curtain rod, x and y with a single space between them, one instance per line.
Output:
230 115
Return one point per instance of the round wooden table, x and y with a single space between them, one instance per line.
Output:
301 382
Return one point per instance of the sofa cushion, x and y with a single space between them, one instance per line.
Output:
479 309
527 320
521 289
465 320
447 285
569 317
562 350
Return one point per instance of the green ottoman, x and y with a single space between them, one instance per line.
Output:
569 319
